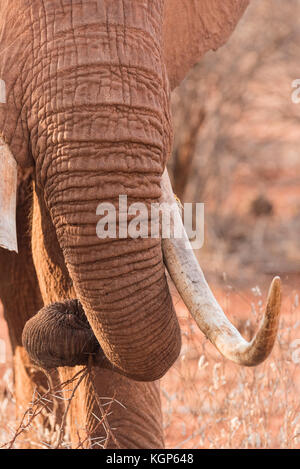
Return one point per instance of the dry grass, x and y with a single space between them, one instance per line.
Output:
207 401
29 431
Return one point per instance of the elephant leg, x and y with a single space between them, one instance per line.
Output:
21 298
109 410
105 409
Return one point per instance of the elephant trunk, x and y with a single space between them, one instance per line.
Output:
60 335
120 283
103 130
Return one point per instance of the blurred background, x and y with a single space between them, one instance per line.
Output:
237 146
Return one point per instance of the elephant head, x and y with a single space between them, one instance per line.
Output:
87 106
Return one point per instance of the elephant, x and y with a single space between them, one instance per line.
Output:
84 117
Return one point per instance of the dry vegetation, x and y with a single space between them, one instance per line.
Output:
207 401
211 403
28 431
237 150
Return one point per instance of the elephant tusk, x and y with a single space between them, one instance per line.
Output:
189 280
8 198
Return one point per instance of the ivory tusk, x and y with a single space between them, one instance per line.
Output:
8 198
189 280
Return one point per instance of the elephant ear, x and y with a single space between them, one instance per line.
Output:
8 198
192 28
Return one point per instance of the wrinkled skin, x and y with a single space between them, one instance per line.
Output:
88 94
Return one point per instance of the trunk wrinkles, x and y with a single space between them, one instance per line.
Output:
100 127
